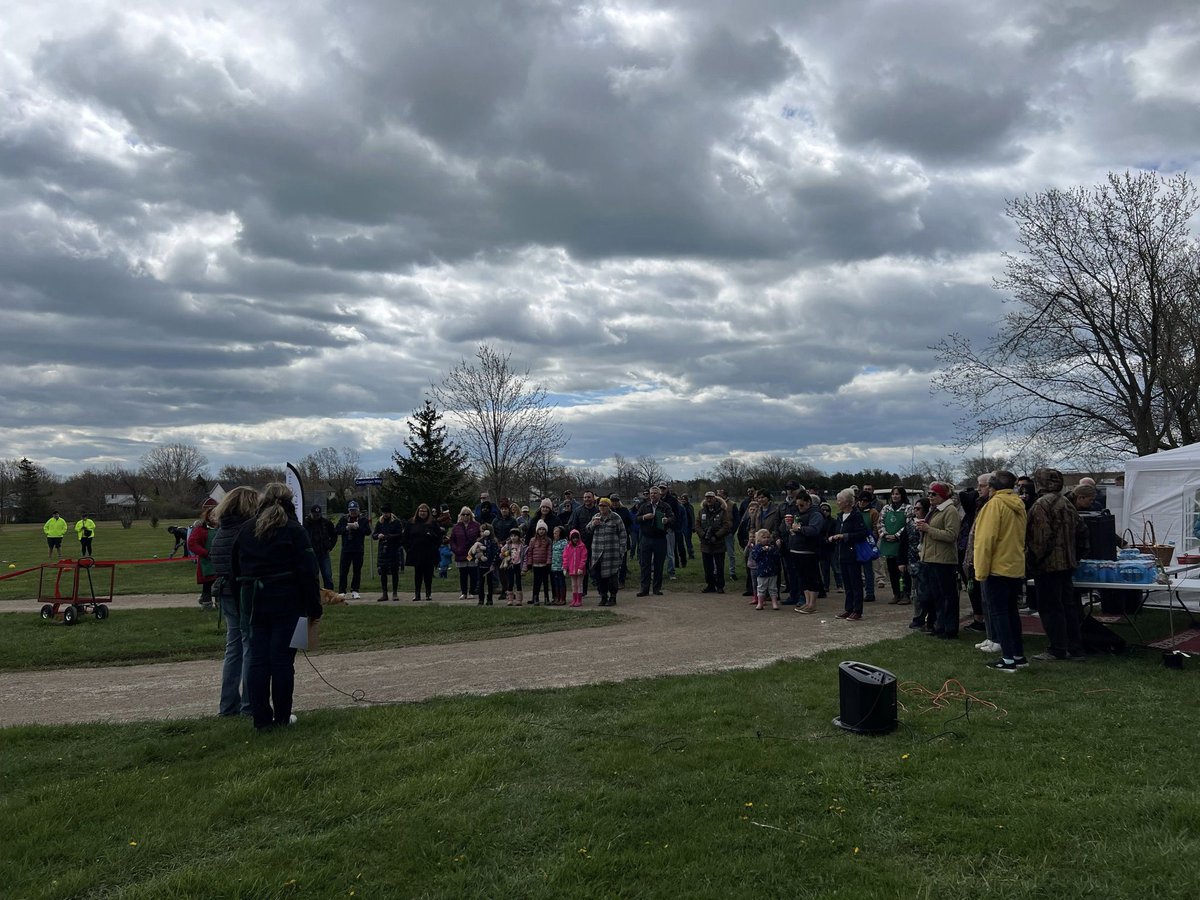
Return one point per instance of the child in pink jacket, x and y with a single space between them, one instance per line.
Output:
575 564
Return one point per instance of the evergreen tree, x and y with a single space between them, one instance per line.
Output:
433 471
34 507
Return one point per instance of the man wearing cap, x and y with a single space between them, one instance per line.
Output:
606 554
712 522
735 518
939 558
1053 523
353 530
323 537
54 529
655 519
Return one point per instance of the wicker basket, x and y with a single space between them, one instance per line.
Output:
1149 544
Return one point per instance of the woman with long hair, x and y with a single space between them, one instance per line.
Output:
424 540
278 575
235 510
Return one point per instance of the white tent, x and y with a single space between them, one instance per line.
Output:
1164 488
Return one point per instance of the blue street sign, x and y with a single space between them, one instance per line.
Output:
365 482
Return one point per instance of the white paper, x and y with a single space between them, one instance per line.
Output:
300 635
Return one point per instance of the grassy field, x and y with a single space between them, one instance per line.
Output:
23 546
729 785
135 636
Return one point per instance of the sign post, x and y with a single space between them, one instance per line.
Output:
369 483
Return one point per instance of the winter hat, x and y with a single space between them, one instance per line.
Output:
486 529
1047 480
541 526
353 504
941 490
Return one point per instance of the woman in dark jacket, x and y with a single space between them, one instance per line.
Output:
424 540
278 576
826 561
389 532
850 531
235 510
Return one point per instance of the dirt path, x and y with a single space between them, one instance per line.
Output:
680 633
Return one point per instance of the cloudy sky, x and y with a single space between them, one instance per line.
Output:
707 227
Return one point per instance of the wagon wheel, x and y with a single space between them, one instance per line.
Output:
101 612
48 611
70 614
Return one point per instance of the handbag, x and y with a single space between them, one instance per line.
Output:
867 550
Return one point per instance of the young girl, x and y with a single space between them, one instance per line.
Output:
485 554
558 581
764 556
445 557
511 558
575 564
538 557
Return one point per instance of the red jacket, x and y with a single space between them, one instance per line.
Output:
197 544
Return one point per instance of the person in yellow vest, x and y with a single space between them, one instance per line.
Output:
84 529
54 529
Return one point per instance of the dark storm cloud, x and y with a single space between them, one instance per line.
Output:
712 227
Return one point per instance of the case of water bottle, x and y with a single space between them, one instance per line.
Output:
1130 567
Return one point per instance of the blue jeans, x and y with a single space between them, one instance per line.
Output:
325 563
671 554
730 554
1000 596
272 671
235 700
868 580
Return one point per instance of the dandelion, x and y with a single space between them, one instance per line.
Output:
904 756
748 805
133 843
856 850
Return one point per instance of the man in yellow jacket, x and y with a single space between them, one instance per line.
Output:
999 557
84 529
54 529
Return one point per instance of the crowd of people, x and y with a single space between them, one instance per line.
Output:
1006 542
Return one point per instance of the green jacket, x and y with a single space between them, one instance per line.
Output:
83 524
891 521
55 527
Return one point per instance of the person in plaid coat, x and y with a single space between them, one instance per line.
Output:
608 551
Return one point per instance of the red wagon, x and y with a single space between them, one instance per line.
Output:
73 606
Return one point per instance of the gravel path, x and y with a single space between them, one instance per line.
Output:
676 634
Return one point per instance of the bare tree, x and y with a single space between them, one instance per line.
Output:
251 476
625 482
731 474
338 469
173 469
647 472
505 421
1100 349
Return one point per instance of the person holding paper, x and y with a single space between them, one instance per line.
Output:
276 571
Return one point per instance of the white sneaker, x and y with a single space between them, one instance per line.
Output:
993 647
292 719
354 595
983 645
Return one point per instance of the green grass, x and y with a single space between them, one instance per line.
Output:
134 636
23 546
729 785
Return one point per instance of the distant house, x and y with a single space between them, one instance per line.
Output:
124 504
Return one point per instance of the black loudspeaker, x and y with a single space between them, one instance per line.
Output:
1102 534
868 699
